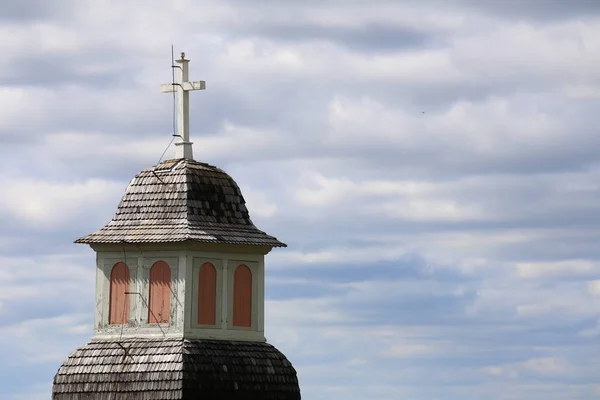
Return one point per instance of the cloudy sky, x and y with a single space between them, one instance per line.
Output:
434 167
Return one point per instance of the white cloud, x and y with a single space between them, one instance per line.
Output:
343 256
547 365
303 312
23 106
259 203
44 203
556 269
406 200
492 127
96 145
411 350
544 366
430 210
579 92
546 304
232 138
39 38
30 338
594 287
48 267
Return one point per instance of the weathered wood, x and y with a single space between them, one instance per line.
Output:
242 296
207 294
119 301
160 293
162 369
182 200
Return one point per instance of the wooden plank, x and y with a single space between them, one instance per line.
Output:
242 296
207 295
187 86
119 301
159 305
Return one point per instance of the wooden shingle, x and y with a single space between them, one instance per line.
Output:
182 200
165 369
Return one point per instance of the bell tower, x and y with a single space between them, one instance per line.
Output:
179 299
181 258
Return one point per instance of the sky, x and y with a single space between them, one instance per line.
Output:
433 166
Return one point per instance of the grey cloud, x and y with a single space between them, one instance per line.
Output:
273 106
535 9
531 203
565 247
24 11
76 110
532 10
423 309
435 159
411 267
562 153
61 303
368 38
295 291
51 70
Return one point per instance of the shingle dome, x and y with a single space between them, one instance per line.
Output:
164 369
182 200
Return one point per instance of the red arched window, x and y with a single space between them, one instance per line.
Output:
242 296
159 306
119 301
207 295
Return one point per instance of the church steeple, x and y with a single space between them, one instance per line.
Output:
179 289
183 237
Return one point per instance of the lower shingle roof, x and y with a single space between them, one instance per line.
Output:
173 369
182 200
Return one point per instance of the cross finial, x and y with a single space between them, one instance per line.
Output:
182 86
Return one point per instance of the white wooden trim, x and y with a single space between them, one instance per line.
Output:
185 265
186 86
260 315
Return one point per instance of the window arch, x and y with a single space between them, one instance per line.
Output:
119 301
207 295
242 296
159 306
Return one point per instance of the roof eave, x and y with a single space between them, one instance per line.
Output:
90 241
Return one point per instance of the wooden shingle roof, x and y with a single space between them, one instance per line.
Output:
173 369
182 200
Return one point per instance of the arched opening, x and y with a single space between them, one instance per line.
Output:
159 305
207 295
242 296
119 301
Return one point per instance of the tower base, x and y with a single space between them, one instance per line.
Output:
173 369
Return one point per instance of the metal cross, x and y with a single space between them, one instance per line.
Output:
181 86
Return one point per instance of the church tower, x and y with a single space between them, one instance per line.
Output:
179 301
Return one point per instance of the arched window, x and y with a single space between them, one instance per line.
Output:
159 306
207 295
119 301
242 296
